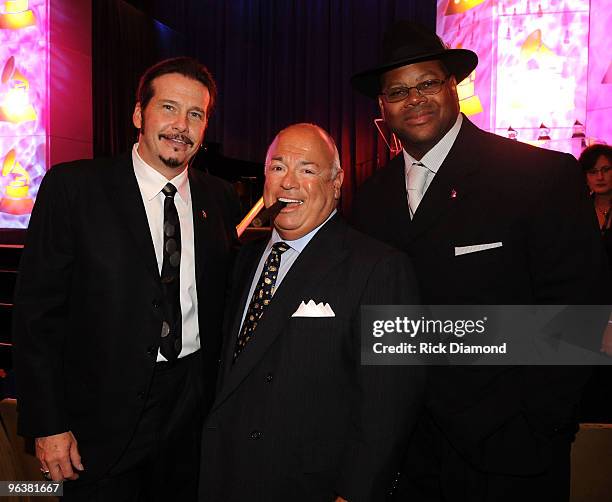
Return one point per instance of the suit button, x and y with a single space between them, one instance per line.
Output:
269 377
151 350
141 395
155 303
396 481
256 435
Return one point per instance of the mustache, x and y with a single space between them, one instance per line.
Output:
180 137
415 112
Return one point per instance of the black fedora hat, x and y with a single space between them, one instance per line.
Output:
407 43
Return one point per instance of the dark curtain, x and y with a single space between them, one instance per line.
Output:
277 62
126 41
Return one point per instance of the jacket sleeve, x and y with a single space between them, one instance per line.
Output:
391 396
42 296
568 266
567 259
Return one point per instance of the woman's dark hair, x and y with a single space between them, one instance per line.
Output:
589 155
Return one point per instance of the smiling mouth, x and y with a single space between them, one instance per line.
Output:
418 117
291 202
179 140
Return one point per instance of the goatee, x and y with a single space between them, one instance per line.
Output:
170 162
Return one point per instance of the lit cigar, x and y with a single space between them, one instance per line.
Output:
269 212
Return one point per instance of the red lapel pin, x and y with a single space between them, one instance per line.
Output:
204 215
453 194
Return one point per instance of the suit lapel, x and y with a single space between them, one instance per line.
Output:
450 182
127 201
323 253
246 267
397 213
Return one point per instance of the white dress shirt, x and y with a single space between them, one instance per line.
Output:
434 158
150 183
287 259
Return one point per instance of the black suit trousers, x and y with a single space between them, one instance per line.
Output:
161 462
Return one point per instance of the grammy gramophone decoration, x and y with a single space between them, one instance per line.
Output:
15 198
460 6
16 15
535 52
15 107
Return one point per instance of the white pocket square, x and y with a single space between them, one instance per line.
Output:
312 309
478 247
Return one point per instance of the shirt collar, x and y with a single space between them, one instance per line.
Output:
302 242
151 182
433 159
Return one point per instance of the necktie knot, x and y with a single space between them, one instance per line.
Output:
169 190
417 177
280 247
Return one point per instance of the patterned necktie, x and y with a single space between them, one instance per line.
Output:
170 345
417 177
261 296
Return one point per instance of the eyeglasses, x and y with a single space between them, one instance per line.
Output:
603 170
425 88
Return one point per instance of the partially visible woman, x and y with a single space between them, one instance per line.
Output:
596 161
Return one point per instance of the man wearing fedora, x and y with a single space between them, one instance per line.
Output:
486 220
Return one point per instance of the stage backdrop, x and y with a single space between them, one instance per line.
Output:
23 107
545 68
45 98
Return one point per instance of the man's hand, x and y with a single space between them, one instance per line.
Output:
58 454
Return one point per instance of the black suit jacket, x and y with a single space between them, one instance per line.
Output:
297 417
490 189
89 302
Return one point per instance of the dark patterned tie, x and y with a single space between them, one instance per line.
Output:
261 296
170 346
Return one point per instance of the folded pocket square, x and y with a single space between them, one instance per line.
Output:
312 309
478 247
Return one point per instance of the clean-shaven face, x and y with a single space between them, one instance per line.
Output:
600 179
299 172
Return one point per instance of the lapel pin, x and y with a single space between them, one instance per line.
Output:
453 194
204 215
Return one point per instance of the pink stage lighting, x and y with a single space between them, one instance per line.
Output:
540 62
24 51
